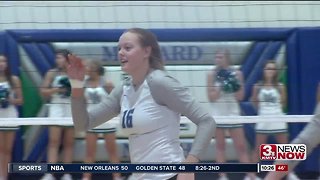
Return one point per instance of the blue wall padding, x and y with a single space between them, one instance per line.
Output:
2 42
48 52
308 53
37 57
112 35
12 54
293 78
18 146
252 56
40 146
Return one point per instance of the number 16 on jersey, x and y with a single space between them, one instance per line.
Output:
127 118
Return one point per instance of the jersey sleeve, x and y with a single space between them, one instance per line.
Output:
85 119
169 92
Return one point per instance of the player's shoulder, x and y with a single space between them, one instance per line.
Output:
52 72
281 86
160 79
15 78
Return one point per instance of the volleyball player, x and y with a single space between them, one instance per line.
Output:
150 105
97 88
10 96
56 86
269 97
225 90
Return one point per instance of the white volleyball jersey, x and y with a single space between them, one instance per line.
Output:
269 101
153 130
151 117
10 111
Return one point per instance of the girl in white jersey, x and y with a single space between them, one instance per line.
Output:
56 87
269 97
96 89
224 102
10 96
150 105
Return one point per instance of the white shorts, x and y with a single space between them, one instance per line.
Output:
10 112
226 109
60 110
271 128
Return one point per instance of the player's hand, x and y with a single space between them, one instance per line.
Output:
75 68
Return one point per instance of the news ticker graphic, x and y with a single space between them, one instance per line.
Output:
129 168
283 151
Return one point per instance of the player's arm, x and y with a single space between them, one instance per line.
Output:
169 92
45 89
84 119
283 93
18 98
254 97
212 89
240 93
87 119
308 136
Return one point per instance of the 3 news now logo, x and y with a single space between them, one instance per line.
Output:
283 152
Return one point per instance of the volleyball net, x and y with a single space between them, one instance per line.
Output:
67 121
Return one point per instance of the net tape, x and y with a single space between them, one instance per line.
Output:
67 121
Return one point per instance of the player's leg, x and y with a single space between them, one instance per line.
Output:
111 147
55 133
282 138
2 154
91 149
68 142
260 139
240 144
9 137
220 148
